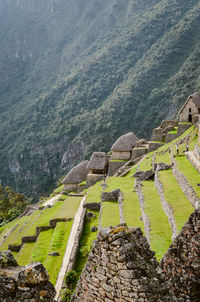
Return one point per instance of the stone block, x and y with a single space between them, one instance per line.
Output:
138 152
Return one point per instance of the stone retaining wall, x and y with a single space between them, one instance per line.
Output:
114 166
185 186
94 206
166 207
181 263
145 218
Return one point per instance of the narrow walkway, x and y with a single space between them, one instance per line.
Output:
69 248
51 201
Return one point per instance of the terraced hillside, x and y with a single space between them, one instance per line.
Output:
160 207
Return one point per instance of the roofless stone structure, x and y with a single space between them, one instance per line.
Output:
121 267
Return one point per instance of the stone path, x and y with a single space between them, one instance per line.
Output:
51 201
69 248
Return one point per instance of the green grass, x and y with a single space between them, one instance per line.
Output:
146 164
24 256
18 230
174 131
59 189
191 174
58 244
42 246
94 193
68 208
131 207
119 160
160 230
181 206
110 214
86 241
53 240
163 157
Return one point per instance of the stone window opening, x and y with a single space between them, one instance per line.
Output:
190 110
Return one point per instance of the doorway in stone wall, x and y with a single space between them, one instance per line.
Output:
190 118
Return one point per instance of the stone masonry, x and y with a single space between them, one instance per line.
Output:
29 283
181 263
121 267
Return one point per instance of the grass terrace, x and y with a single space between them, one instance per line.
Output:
191 174
131 207
94 192
110 214
181 206
160 230
86 241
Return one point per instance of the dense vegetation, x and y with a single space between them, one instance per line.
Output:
75 75
11 204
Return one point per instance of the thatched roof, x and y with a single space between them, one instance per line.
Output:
125 142
196 98
76 174
98 161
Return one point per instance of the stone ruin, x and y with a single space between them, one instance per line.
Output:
29 283
121 267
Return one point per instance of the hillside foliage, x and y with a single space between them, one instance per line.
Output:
75 75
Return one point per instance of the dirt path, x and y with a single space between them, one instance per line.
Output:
51 201
69 248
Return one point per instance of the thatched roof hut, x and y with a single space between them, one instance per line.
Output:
125 142
77 174
98 161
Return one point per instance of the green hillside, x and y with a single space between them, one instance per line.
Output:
76 75
159 230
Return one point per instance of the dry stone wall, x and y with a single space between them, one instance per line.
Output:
181 263
28 284
121 267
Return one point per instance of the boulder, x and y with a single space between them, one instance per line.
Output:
144 175
110 196
7 259
163 166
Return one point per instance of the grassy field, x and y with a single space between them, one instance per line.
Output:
181 206
86 241
110 214
58 244
192 175
68 208
160 230
93 193
131 207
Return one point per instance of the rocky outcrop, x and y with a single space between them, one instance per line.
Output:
121 267
29 283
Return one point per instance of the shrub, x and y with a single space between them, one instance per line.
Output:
70 278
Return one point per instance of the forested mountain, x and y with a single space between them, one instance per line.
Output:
76 74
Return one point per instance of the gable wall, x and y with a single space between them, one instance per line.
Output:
183 117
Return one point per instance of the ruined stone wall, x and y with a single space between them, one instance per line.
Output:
121 267
181 263
114 165
28 284
170 137
182 128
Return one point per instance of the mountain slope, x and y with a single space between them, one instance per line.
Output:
79 75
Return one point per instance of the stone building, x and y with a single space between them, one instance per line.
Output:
75 176
122 148
190 109
97 166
